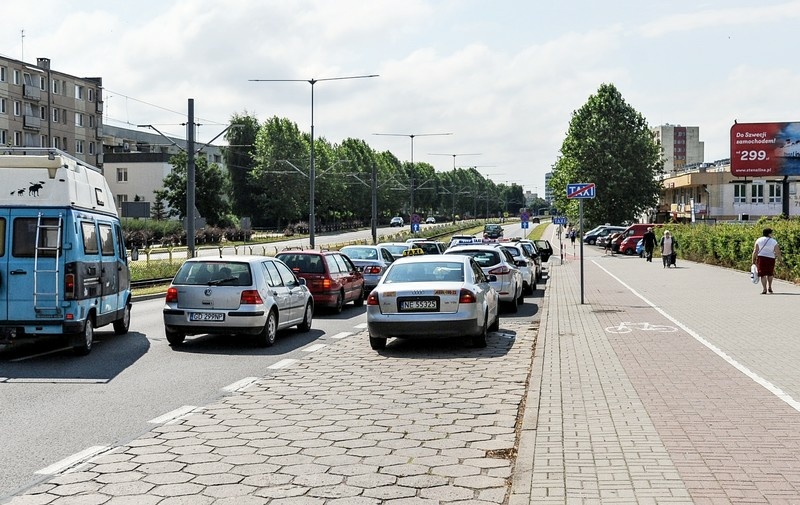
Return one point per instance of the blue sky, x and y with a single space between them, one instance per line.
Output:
503 77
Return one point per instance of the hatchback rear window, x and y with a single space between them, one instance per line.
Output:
303 263
222 273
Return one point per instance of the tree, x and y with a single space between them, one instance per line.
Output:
158 212
240 162
210 189
608 143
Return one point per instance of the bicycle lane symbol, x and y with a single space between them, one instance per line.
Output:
628 326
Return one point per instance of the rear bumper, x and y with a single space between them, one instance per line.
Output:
424 329
235 322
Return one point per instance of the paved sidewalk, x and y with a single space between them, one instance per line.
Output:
666 386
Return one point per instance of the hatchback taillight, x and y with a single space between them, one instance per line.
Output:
374 270
172 295
327 283
372 299
501 270
250 297
69 287
466 296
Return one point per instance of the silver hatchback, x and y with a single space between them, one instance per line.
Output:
253 295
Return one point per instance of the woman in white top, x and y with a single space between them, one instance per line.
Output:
765 252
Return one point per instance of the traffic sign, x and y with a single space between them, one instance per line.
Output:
524 217
560 220
581 190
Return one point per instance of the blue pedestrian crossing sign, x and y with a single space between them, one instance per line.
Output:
581 190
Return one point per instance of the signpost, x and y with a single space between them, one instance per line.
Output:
581 191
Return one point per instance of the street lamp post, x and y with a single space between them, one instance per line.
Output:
312 172
413 174
454 156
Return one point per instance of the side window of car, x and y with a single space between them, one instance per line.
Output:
387 256
287 276
345 263
333 267
477 272
271 274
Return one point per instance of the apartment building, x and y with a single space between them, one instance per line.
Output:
681 146
40 107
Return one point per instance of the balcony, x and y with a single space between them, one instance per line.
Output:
31 92
31 122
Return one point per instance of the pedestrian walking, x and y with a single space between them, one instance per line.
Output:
649 244
572 236
668 247
765 251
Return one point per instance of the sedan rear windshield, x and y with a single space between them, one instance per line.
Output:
212 273
438 271
482 258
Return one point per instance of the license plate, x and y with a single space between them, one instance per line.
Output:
431 305
206 316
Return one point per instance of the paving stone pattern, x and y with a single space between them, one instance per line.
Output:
415 424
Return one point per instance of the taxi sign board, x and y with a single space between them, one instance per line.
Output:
581 190
560 220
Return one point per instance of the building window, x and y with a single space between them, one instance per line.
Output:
90 93
56 142
78 119
43 141
2 74
79 146
775 195
17 108
91 121
739 193
122 174
120 200
2 106
16 77
42 83
55 86
756 193
18 139
3 137
91 147
78 92
56 115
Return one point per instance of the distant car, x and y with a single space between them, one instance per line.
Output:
331 276
397 248
429 296
373 260
533 252
594 237
496 261
253 295
545 249
430 220
430 246
396 221
640 248
526 265
492 231
463 239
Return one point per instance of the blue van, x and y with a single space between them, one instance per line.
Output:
63 263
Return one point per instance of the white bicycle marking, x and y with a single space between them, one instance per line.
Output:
627 327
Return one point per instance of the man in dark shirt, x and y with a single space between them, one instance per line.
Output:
649 244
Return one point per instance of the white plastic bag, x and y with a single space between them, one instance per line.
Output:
753 274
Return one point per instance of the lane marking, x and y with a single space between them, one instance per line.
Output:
58 381
175 414
361 326
240 384
312 348
282 364
772 388
54 351
69 461
342 334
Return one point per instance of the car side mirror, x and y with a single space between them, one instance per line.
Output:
301 281
491 278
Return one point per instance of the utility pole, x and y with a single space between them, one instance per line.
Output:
190 180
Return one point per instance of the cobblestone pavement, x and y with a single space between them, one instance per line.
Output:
418 423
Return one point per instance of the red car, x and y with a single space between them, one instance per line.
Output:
331 277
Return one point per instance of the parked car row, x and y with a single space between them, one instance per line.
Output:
622 239
417 288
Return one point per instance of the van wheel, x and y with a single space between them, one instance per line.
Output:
359 302
83 343
309 315
122 325
266 337
337 308
175 338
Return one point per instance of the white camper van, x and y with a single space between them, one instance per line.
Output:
63 263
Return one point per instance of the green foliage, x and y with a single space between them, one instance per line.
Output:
158 211
210 191
608 143
731 244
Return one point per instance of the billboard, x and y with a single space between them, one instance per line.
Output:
765 149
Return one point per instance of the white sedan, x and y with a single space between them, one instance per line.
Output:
433 296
